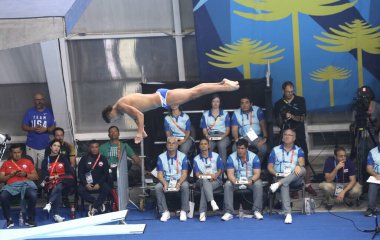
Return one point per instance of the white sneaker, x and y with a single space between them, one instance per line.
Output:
47 207
258 215
102 208
58 218
273 187
165 216
288 219
183 216
92 212
214 206
227 216
202 217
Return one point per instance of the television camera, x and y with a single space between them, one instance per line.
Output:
3 143
362 101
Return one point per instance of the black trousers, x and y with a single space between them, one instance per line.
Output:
30 195
96 202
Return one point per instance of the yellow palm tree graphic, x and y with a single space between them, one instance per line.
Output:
359 35
272 10
244 53
330 73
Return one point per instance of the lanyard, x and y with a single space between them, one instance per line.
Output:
176 163
205 158
336 176
176 124
250 118
17 166
291 158
283 157
55 163
246 165
93 166
214 123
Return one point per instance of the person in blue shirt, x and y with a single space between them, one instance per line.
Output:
286 162
39 123
248 122
373 169
208 168
215 124
243 171
178 125
340 179
172 167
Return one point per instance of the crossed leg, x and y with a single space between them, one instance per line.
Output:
182 95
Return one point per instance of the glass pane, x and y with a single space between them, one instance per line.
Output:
17 98
191 58
187 17
22 75
122 16
104 70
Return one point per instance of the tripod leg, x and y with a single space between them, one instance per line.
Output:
312 169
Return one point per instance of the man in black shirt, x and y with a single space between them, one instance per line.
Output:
93 171
290 112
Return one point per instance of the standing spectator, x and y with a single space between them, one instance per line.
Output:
67 149
290 112
93 172
340 179
39 123
248 122
18 173
113 150
215 124
178 125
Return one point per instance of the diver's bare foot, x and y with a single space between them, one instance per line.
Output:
231 85
139 137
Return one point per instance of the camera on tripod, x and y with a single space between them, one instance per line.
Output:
3 143
4 138
287 108
362 101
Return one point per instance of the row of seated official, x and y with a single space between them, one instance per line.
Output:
94 176
286 164
247 122
19 175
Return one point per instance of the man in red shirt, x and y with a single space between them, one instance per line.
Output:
18 174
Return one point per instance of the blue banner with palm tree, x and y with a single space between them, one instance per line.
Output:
312 43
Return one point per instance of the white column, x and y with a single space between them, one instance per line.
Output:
178 40
51 55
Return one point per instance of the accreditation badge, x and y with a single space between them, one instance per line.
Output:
172 184
338 188
208 168
287 171
88 176
251 134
